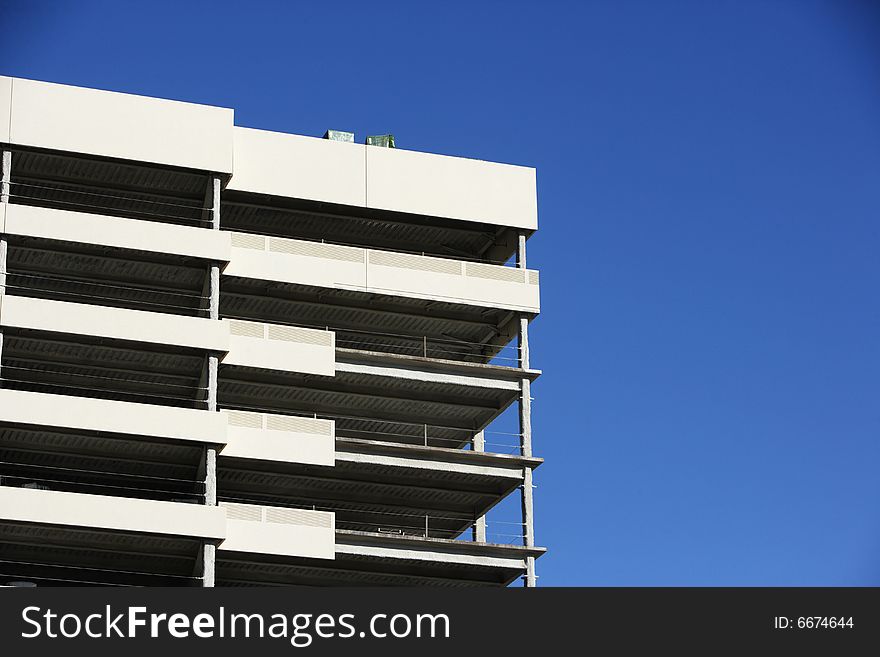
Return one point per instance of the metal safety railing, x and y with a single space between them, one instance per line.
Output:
101 482
69 379
54 573
437 347
144 205
150 206
405 524
509 262
405 433
43 285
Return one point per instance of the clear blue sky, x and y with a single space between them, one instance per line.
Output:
709 188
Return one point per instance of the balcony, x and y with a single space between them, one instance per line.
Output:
98 275
369 271
461 404
383 560
242 345
67 538
63 538
387 488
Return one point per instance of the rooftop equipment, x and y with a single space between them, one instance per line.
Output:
386 141
339 135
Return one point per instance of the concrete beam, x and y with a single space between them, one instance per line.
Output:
370 393
432 377
430 366
440 455
438 466
334 572
322 299
438 549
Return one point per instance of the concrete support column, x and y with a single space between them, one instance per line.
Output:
208 474
525 427
4 250
479 529
521 250
479 442
528 513
528 525
5 181
5 175
208 558
205 563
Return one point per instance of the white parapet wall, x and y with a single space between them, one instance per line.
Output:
103 512
383 272
452 187
279 531
5 107
85 414
279 438
116 125
86 228
279 347
293 166
117 323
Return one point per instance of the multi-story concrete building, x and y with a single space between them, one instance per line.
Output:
234 357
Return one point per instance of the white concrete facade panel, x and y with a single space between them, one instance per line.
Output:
453 187
110 416
117 323
279 438
118 125
306 263
383 272
453 281
279 531
48 507
5 107
294 166
284 348
134 234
